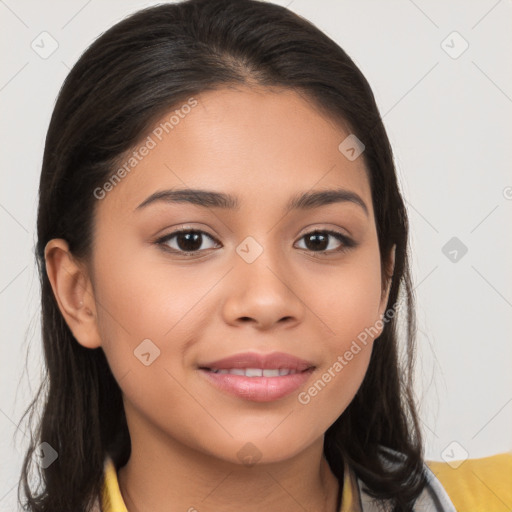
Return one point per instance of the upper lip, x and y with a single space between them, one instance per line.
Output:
279 360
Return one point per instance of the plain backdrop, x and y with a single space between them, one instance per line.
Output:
442 76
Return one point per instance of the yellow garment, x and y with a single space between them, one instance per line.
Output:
478 485
350 501
111 499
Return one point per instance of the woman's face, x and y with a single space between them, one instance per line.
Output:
255 281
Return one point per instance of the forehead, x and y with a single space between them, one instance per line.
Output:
258 144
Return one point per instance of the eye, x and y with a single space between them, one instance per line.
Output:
186 241
320 240
190 241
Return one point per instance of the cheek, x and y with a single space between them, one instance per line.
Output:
137 298
348 303
148 312
129 304
348 299
351 314
145 322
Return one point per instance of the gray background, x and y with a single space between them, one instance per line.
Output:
448 114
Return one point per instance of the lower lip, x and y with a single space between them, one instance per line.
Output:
258 389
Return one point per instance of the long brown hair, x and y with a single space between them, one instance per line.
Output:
127 79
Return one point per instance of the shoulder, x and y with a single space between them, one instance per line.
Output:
477 484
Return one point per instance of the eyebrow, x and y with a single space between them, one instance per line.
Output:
211 199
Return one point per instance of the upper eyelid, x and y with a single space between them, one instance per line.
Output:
187 230
165 238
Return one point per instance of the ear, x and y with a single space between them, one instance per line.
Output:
73 292
388 279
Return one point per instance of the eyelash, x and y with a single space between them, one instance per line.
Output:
347 243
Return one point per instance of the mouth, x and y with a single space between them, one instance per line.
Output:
256 377
259 365
257 372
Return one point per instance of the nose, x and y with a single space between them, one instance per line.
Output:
264 293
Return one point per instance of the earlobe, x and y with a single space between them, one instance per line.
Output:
73 292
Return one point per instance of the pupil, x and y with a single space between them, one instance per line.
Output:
192 241
319 242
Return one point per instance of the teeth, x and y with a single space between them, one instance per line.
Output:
257 372
253 372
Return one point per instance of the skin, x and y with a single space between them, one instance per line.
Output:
263 146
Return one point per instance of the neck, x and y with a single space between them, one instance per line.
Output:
169 476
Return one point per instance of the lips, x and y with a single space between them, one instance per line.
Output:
258 377
252 360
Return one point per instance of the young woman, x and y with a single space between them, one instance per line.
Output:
222 248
